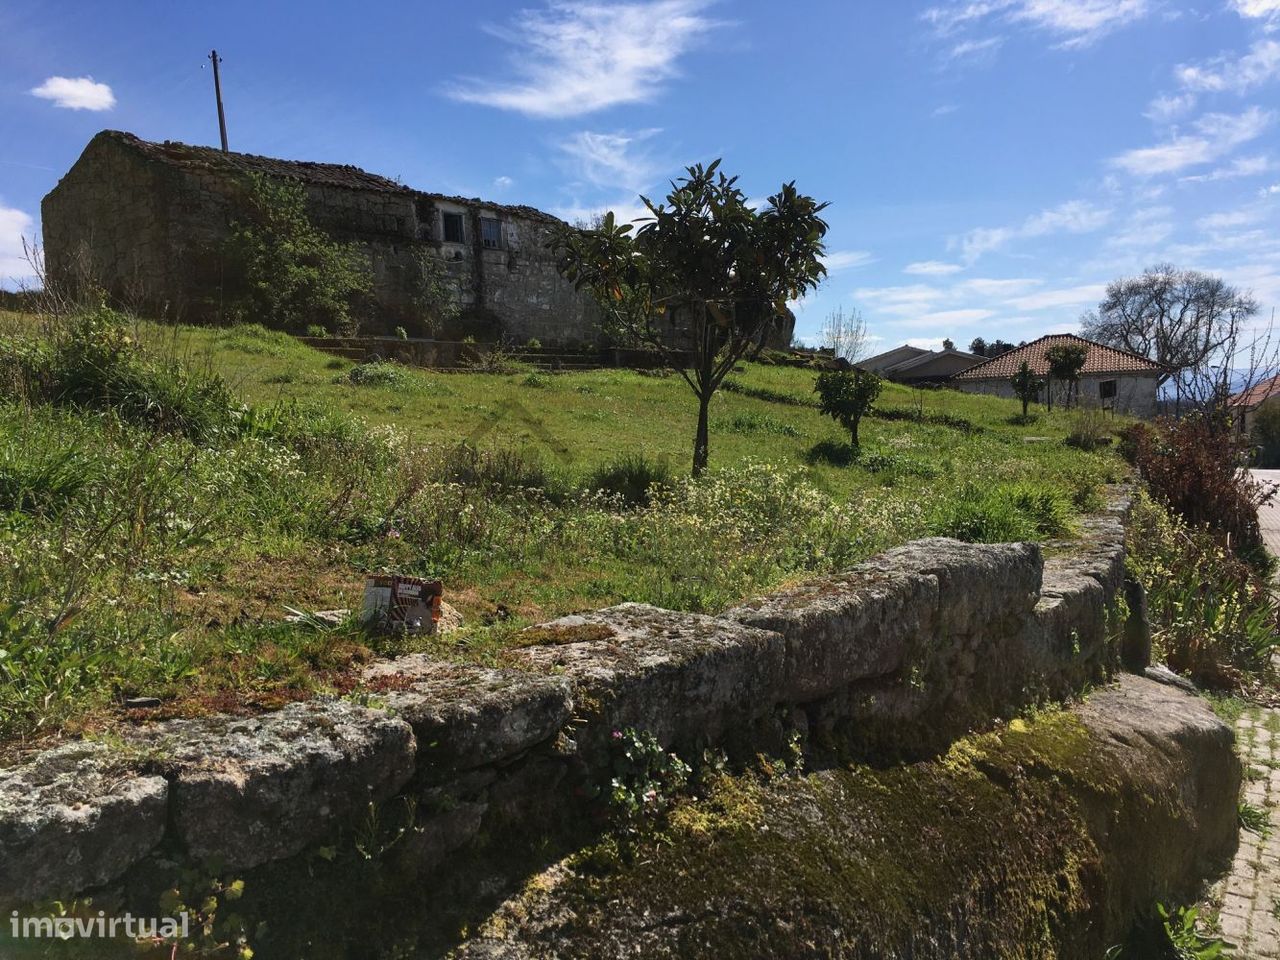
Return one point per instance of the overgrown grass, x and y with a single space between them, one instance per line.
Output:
165 495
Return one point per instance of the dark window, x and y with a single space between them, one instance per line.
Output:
1107 389
491 233
453 228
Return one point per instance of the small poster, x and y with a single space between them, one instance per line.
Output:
402 604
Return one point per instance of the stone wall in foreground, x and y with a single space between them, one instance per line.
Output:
900 655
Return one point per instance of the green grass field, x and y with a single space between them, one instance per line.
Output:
151 540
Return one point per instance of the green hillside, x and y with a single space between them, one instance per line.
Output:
166 493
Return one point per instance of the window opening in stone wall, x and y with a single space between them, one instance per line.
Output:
1107 390
453 228
490 233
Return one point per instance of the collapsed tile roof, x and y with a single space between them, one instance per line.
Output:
1099 360
306 171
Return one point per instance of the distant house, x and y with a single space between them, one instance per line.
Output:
1246 404
1113 379
908 364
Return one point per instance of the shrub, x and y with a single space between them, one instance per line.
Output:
631 477
316 330
846 396
1089 429
93 363
285 272
377 373
1213 617
1004 514
497 470
535 378
1193 466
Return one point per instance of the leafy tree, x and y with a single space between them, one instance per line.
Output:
978 346
287 273
997 347
705 267
1026 386
432 292
948 344
1066 360
847 395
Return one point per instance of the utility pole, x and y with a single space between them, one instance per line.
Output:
217 90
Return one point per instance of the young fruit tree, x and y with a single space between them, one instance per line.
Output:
1066 360
704 270
1026 386
846 396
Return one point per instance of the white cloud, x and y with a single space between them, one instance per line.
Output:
76 93
14 225
1226 75
1239 167
904 300
1074 216
579 56
951 318
1143 229
944 110
1077 23
845 259
1230 219
1271 191
1165 108
1257 9
502 183
610 159
1217 135
975 49
985 287
932 268
1065 297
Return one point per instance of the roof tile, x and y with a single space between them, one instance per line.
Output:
1099 359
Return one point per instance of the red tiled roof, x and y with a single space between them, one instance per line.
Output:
1263 390
1098 360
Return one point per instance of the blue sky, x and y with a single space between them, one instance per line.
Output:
990 164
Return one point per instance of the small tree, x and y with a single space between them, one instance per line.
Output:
948 344
287 273
705 266
432 292
845 334
978 347
1066 360
846 396
1026 386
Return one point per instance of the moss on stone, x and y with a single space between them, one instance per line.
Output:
985 848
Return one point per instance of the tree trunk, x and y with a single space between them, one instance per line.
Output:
701 442
1025 402
855 434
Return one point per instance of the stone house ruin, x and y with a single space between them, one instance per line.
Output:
1111 379
148 223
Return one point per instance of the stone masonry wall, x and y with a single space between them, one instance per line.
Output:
902 653
151 228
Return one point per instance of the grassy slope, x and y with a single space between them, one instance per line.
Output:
204 620
599 414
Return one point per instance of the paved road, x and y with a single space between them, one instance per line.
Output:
1270 515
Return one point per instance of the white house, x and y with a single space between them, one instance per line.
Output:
1113 379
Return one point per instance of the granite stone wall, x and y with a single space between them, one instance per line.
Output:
900 655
